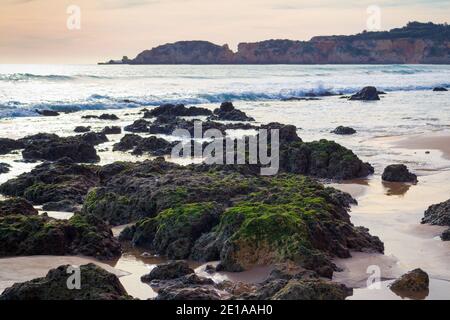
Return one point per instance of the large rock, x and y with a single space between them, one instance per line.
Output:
413 282
40 235
179 110
398 173
313 290
439 214
15 206
168 271
51 147
96 284
227 112
366 94
53 182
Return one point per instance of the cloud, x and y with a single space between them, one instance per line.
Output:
123 4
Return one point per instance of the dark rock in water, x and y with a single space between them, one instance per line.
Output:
413 282
53 182
168 271
15 206
106 116
89 116
47 113
96 284
438 214
50 147
94 138
4 167
82 129
445 236
299 99
112 130
440 89
227 112
313 290
139 126
7 145
341 130
60 206
179 110
287 133
366 94
40 235
398 173
152 145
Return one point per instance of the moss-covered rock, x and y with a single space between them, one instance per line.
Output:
174 231
40 235
53 182
313 290
95 284
15 206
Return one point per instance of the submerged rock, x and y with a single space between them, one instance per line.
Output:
366 94
41 235
415 281
96 284
341 130
227 112
179 110
4 167
398 173
47 113
168 271
15 206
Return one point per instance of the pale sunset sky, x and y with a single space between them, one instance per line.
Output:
35 31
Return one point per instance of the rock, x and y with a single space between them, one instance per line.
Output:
7 145
188 287
139 126
53 182
60 206
106 116
81 129
173 232
313 290
323 159
15 206
210 269
439 89
112 130
227 112
287 133
94 138
344 130
366 94
51 147
4 167
40 235
445 236
179 110
412 282
438 214
300 99
168 271
96 284
398 173
152 145
89 116
47 113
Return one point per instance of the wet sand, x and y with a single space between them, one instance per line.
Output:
427 142
395 217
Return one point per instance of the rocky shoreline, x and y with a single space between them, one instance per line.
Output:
226 213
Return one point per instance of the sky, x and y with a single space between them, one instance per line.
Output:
88 31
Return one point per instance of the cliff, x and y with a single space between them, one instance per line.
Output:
415 43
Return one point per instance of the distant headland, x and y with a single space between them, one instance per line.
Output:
416 43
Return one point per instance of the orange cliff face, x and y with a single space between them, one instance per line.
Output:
416 43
